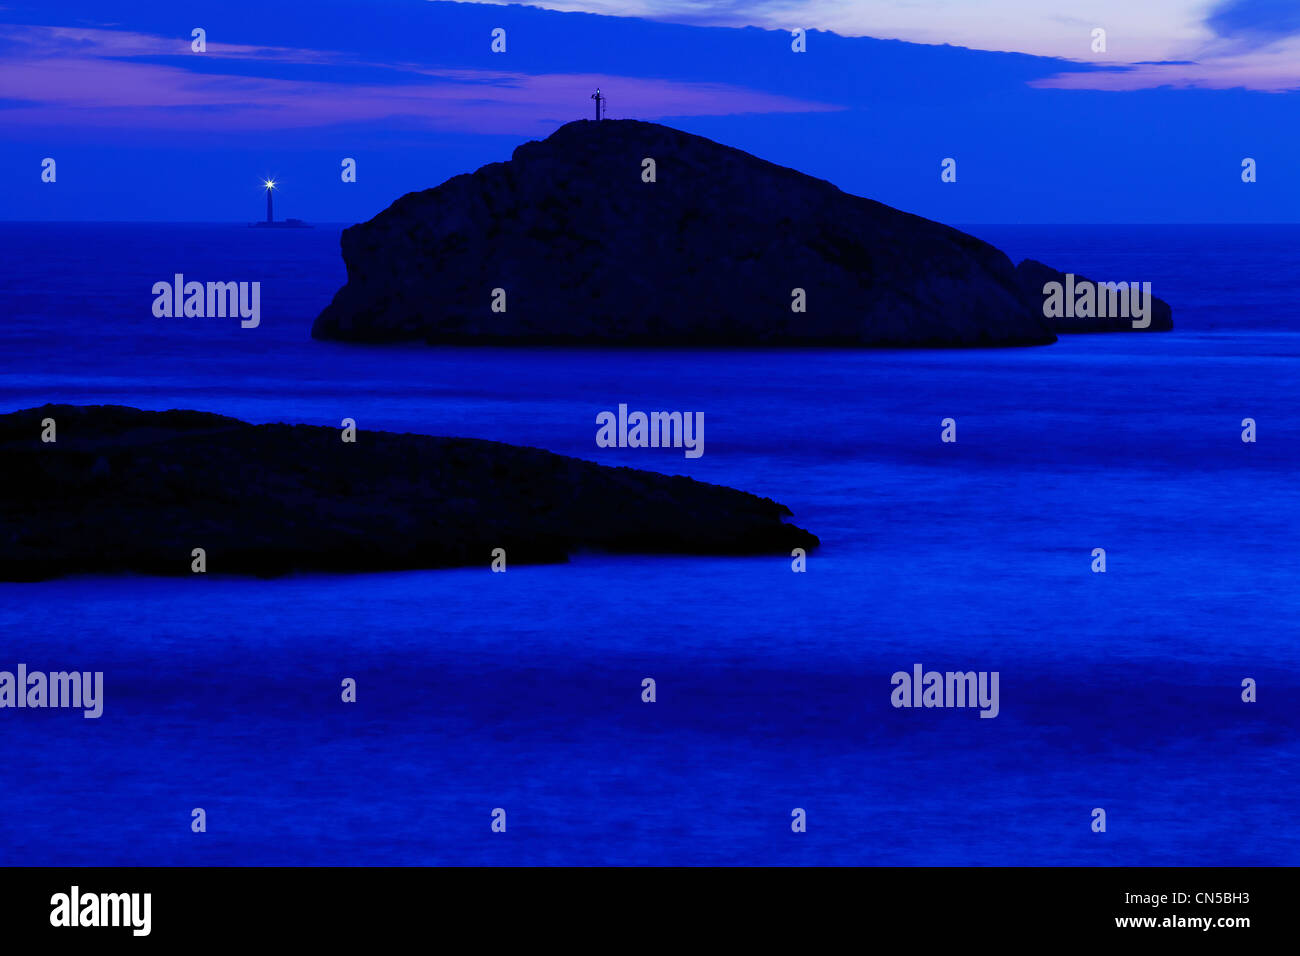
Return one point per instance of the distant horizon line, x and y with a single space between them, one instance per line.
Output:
955 225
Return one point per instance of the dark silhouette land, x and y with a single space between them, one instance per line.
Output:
128 490
620 232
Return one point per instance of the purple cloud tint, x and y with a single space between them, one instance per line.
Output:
1276 71
86 77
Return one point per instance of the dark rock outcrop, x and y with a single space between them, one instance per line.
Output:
130 490
1033 276
708 254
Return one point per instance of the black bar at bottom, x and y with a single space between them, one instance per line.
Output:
333 905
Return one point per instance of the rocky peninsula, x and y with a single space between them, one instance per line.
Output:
120 489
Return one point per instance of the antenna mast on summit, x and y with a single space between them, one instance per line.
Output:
600 100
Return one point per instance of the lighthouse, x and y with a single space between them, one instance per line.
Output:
270 185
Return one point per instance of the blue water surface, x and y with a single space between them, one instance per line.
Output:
523 690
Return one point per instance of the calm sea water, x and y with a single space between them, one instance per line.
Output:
522 690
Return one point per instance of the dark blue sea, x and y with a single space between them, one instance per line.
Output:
522 690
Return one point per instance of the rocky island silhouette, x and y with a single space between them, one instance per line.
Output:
123 489
622 232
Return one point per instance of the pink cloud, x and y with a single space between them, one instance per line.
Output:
85 78
1264 77
45 42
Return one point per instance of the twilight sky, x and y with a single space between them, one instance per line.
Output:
1154 129
1213 43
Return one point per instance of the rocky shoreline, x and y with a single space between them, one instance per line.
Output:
125 490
